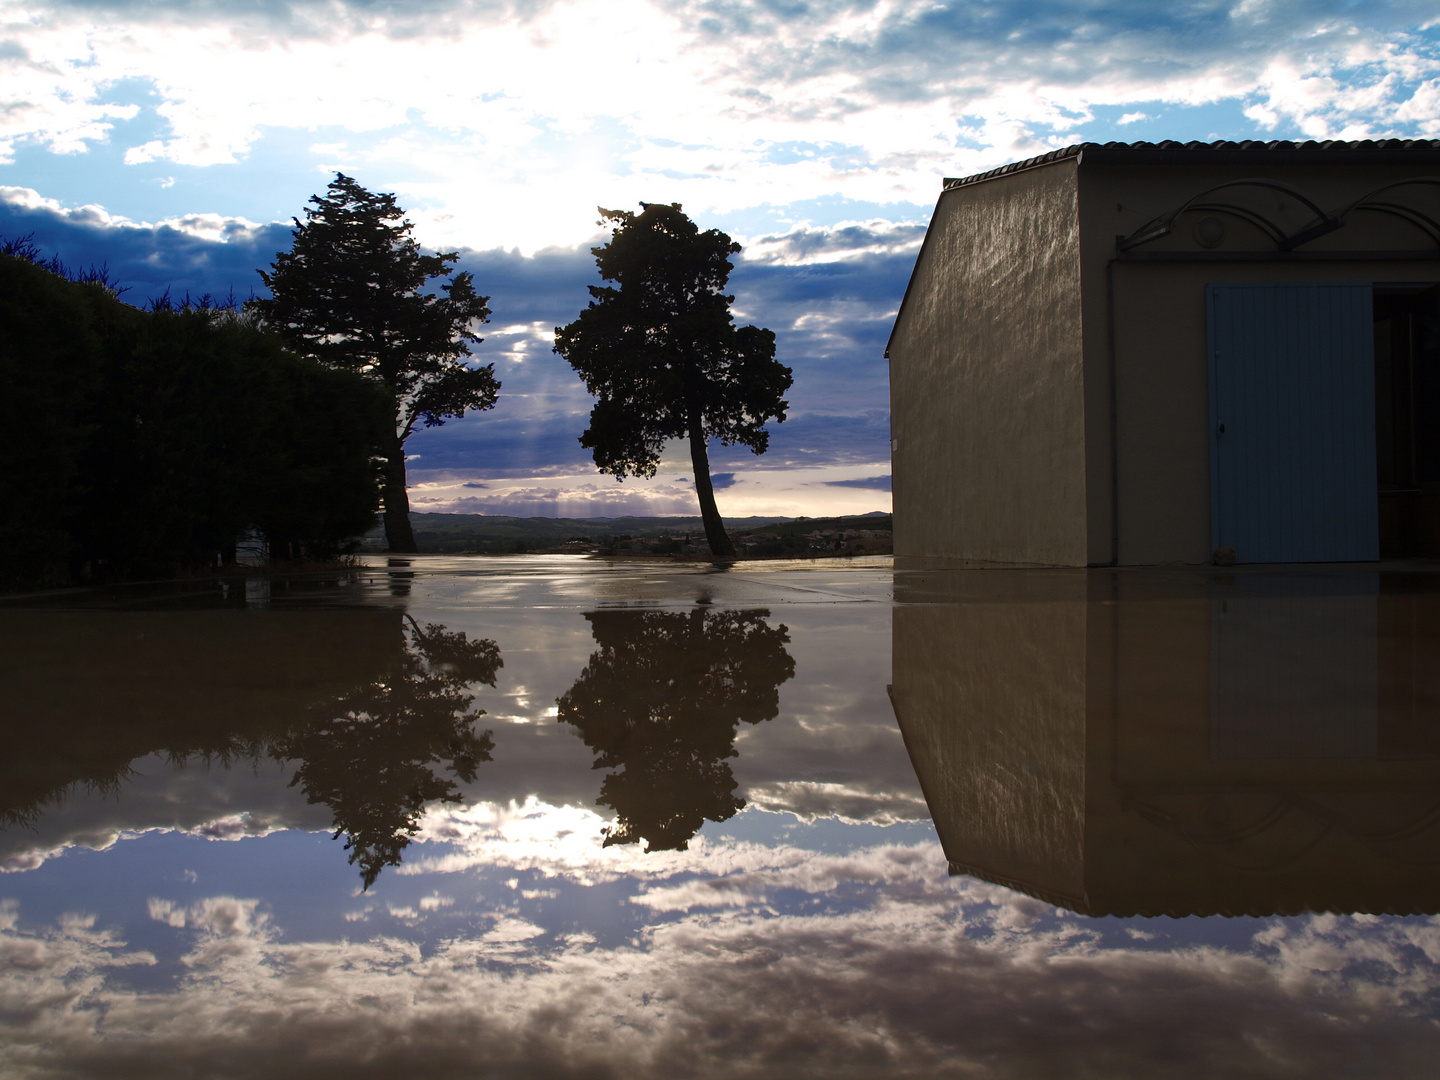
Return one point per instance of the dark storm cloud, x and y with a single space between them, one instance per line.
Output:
548 288
499 445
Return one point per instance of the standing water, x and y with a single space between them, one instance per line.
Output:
550 816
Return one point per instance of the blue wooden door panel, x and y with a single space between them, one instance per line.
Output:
1292 422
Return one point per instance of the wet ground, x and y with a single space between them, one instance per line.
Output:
549 816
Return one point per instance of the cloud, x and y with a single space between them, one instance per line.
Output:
814 133
831 321
194 253
834 750
727 107
721 481
581 498
849 802
807 244
916 974
153 804
874 483
835 950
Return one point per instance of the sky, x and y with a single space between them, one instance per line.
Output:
174 140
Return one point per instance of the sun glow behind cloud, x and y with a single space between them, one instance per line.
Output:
505 124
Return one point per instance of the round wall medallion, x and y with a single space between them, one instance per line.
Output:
1209 231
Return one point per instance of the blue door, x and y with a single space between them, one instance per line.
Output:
1292 422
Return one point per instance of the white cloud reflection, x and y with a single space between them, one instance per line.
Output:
750 961
816 933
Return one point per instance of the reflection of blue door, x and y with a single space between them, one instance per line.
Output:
1295 677
1292 422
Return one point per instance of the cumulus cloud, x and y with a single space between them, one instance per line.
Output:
915 974
726 107
853 803
831 320
845 240
192 253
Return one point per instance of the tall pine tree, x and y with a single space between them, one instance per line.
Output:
355 292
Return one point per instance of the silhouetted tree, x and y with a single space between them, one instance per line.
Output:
371 758
351 293
211 425
660 702
81 697
662 353
374 712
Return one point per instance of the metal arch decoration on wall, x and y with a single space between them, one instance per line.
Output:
1321 224
1424 222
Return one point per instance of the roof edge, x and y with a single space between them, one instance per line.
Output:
1170 150
1173 152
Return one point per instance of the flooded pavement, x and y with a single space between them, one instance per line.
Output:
548 816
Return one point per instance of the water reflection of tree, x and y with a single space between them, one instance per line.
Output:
372 756
660 702
372 711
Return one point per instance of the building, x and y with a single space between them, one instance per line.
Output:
1261 742
1130 354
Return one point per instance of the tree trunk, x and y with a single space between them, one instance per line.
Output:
398 534
720 546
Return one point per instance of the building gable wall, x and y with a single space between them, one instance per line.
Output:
986 375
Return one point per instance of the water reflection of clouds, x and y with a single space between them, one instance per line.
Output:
919 973
832 750
815 932
161 796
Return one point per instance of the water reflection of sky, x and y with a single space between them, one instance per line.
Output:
191 913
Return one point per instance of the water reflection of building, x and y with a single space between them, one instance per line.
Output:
1124 743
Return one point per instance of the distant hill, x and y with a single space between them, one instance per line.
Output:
805 526
493 535
865 534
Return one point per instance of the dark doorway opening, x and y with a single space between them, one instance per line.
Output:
1407 419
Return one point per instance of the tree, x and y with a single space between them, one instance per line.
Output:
662 354
149 439
351 292
660 702
372 756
